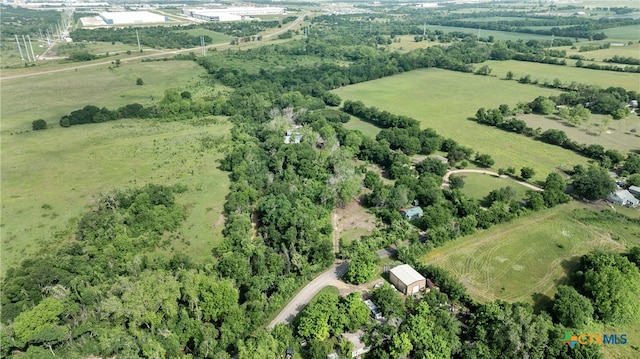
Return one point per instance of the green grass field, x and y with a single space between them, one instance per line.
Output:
52 176
617 136
566 74
632 50
495 264
66 169
215 36
51 96
443 100
478 185
623 33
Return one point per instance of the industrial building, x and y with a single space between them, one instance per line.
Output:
231 13
407 279
132 17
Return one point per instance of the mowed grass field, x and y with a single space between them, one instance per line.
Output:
566 74
53 176
444 100
524 260
617 135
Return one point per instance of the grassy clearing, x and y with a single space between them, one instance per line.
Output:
478 185
52 176
623 33
567 74
53 95
215 36
444 100
494 264
617 136
365 127
632 50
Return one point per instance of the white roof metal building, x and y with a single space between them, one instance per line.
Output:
132 17
231 13
407 279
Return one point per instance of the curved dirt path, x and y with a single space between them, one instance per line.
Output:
445 179
301 299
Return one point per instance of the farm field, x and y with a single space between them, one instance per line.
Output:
444 100
623 33
478 185
617 136
566 74
51 96
632 50
51 176
494 264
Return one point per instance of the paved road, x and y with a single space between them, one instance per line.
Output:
73 67
449 173
309 291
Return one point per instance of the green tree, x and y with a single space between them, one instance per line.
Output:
39 124
355 312
634 180
594 183
456 182
526 173
535 201
571 308
40 324
509 75
139 81
612 283
363 265
400 345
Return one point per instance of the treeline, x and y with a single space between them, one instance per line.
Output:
505 118
171 37
595 66
382 119
623 60
151 36
175 105
21 21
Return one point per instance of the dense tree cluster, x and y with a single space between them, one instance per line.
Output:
21 21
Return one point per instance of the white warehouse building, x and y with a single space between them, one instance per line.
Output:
132 17
231 13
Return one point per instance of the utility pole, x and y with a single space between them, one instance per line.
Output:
424 30
31 45
204 50
19 48
138 38
26 48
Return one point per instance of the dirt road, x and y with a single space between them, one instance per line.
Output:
449 173
309 291
73 67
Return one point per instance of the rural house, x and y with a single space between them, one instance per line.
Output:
623 198
411 213
407 279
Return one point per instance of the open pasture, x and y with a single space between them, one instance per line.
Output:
632 50
566 74
51 96
623 33
524 261
52 176
444 100
216 37
617 135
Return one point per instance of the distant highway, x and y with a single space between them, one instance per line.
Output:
74 66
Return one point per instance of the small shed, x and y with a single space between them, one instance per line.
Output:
623 198
407 279
431 286
411 213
